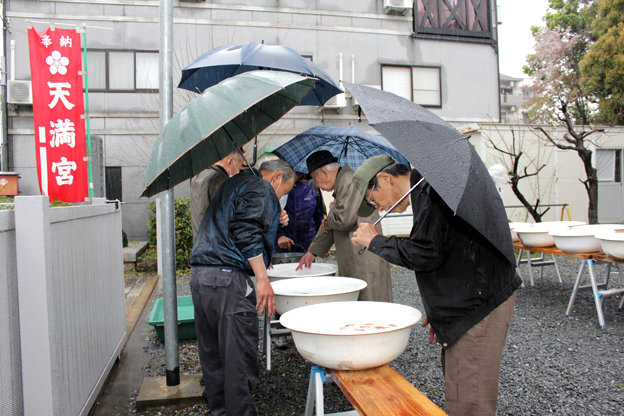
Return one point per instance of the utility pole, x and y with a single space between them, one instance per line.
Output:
170 299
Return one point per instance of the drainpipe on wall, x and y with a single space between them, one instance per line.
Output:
495 22
4 147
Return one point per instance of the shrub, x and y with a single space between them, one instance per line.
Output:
6 200
183 231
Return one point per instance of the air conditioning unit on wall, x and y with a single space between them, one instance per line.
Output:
403 6
19 92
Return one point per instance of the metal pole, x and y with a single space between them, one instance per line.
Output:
86 79
170 300
4 148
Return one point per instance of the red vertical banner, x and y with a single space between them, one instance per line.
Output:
58 107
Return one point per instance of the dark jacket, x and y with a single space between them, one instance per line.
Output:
240 223
304 217
461 276
204 187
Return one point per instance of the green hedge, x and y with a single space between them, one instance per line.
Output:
183 231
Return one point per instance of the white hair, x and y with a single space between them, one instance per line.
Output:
279 165
332 167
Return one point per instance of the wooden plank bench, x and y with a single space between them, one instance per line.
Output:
378 391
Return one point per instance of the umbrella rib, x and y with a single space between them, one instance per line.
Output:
263 112
359 147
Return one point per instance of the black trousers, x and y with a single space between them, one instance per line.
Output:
226 323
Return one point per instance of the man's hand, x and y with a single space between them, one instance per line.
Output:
264 291
266 297
306 261
283 218
285 242
364 234
432 336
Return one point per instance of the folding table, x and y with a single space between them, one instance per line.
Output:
599 290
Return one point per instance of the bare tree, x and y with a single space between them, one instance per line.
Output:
518 170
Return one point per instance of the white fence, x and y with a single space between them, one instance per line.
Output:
62 305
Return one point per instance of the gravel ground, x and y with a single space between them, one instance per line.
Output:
551 364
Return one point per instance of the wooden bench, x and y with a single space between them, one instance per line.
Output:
377 391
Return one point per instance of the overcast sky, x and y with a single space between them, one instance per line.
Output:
515 40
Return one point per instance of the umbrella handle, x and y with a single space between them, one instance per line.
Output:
393 207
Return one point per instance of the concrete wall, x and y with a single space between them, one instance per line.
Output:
128 122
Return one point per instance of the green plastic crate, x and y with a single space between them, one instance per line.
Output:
186 318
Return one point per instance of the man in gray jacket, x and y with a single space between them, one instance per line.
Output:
204 185
342 220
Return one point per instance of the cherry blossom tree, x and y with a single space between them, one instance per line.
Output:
559 99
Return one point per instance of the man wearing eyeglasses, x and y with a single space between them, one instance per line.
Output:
342 220
468 287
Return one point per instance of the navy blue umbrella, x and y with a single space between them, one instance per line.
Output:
227 61
350 145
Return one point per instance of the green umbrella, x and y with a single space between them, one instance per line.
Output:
215 123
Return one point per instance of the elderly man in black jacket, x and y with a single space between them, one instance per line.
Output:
468 287
235 240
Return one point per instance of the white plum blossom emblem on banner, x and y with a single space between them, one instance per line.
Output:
58 63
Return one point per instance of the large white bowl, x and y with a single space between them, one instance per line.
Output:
287 270
559 223
335 335
513 226
303 291
537 235
582 239
612 244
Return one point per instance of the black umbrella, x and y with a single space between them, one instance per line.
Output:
444 157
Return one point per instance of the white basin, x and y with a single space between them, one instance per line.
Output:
513 226
612 244
559 223
302 291
582 239
287 270
537 235
351 335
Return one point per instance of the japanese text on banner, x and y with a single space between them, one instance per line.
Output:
58 106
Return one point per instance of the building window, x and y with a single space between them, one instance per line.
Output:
123 70
113 183
466 18
609 165
419 84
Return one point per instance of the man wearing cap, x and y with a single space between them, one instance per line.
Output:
468 287
342 220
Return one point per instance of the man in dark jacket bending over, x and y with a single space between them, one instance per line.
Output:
235 240
468 287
